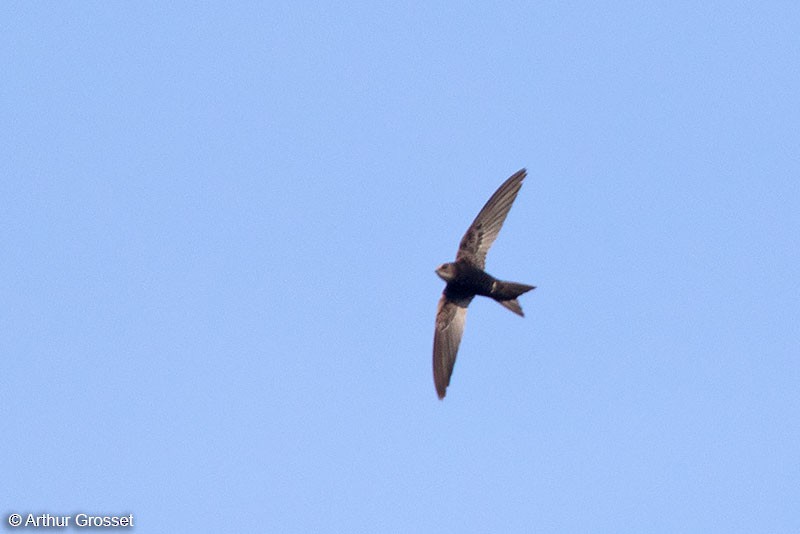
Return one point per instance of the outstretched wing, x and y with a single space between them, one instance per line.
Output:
484 229
450 318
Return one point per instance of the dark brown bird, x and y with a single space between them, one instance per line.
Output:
466 278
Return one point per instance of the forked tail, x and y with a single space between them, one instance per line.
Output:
506 293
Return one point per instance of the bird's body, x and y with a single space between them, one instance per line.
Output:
466 278
469 281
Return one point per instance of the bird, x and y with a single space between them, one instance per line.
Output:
466 278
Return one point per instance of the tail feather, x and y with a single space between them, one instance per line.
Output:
506 294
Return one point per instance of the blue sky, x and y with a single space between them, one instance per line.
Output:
219 230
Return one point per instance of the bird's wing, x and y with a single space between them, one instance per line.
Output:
450 318
484 229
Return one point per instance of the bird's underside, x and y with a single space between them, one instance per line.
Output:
466 278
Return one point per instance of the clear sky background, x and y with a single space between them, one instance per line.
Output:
218 231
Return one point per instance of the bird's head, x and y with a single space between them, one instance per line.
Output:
446 271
